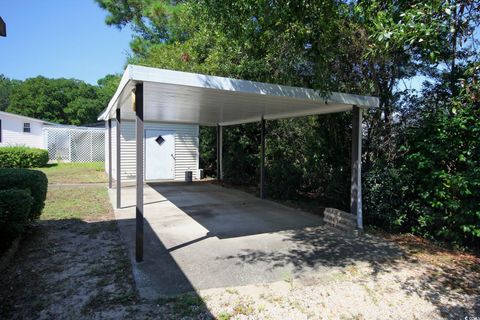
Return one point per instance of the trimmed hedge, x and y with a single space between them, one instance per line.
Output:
33 180
22 157
15 206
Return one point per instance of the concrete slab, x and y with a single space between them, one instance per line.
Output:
201 236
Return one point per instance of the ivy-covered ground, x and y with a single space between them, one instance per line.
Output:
73 265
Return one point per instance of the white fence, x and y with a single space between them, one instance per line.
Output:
75 144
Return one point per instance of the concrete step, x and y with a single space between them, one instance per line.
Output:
340 220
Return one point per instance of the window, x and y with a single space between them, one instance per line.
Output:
26 127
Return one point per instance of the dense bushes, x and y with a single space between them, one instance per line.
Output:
431 186
445 156
33 180
304 157
15 205
22 157
22 198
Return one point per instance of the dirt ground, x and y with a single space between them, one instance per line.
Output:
75 266
428 283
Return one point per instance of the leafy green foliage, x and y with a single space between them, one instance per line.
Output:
15 205
66 101
300 161
443 159
6 86
426 184
34 181
431 187
254 40
240 153
22 157
207 150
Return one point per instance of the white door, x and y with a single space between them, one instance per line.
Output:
159 154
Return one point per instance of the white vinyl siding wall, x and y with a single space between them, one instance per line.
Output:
13 135
186 148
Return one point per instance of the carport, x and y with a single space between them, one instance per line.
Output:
151 94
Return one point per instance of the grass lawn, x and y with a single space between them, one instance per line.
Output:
84 203
89 172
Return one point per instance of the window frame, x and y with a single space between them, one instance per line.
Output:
27 129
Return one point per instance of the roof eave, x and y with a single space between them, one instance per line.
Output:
126 77
148 74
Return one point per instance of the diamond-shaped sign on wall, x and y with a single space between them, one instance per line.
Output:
160 140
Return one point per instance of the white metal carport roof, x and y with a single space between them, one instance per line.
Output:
182 97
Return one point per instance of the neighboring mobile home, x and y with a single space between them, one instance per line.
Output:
64 143
20 130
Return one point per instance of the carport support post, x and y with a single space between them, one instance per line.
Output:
139 174
118 165
110 153
356 181
262 160
219 152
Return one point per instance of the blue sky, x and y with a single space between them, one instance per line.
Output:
60 38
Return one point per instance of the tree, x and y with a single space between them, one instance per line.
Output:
66 101
427 186
106 88
440 164
6 86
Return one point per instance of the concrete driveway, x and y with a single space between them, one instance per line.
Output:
202 235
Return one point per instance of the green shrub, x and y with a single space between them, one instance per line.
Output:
431 189
22 157
442 157
15 206
33 180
